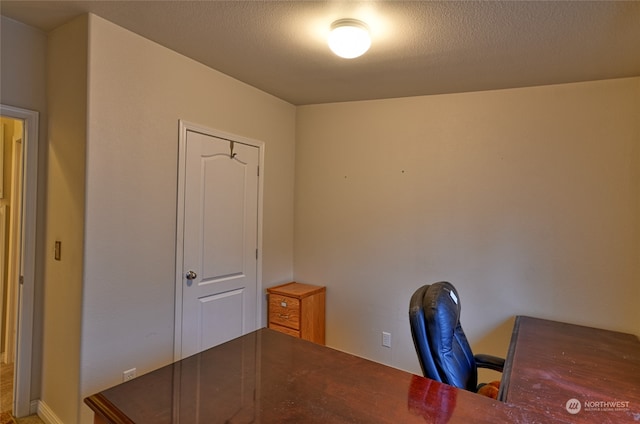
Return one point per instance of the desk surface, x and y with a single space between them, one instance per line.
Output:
550 363
270 377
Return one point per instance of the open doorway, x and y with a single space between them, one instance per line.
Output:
11 133
18 187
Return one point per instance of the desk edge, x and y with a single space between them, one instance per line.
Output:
508 365
101 406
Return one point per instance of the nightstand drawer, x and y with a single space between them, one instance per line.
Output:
284 310
285 330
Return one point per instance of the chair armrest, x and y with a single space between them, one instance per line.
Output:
489 361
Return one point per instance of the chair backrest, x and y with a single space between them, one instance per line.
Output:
442 347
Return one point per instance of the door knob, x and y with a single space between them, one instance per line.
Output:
191 275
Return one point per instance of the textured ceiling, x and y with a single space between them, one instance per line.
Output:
418 48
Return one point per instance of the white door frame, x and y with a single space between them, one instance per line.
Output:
184 127
23 348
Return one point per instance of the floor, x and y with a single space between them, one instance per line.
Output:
6 399
6 392
31 419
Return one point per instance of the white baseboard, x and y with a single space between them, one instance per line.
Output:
46 414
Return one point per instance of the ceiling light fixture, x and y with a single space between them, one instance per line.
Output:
349 38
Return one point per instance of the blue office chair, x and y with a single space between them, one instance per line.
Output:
442 347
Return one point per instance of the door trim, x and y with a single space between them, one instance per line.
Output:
184 127
24 333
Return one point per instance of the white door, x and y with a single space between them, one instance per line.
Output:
219 272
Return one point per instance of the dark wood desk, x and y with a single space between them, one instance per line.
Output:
550 363
269 377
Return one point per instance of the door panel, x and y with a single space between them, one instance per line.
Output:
224 211
220 317
219 301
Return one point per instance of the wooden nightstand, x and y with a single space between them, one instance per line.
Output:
298 310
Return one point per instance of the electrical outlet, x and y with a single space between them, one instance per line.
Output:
386 339
129 374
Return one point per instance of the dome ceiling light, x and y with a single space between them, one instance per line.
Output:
349 38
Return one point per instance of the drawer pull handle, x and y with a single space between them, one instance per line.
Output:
283 316
283 304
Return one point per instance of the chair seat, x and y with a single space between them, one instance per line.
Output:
489 389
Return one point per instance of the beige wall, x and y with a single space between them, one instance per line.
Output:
109 302
528 200
67 100
22 82
138 91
